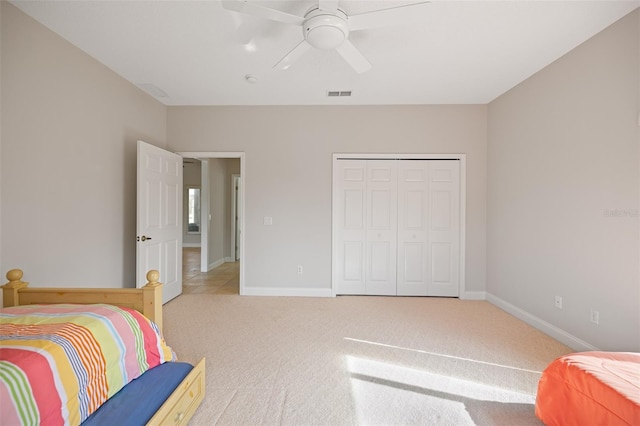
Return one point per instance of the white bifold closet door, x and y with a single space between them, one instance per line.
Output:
396 227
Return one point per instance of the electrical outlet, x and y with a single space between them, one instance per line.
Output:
299 269
595 316
558 302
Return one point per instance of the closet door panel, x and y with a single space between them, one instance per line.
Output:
441 210
414 265
352 261
444 228
396 227
413 250
382 211
441 260
349 215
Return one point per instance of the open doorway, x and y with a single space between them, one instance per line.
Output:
223 279
215 264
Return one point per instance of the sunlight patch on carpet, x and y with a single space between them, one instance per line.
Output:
385 392
442 355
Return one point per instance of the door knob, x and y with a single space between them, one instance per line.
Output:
144 238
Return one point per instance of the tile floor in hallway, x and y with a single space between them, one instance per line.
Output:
225 279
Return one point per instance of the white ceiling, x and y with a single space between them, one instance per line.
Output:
459 52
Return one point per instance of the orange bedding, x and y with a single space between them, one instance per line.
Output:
590 388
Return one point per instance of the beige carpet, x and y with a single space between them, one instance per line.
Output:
359 360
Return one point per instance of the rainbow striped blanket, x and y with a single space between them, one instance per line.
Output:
59 363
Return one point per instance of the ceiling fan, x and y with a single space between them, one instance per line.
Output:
327 27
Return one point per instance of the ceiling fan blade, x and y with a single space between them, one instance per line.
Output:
353 56
392 16
328 5
293 56
244 6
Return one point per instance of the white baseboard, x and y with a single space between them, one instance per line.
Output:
474 295
215 264
557 333
229 259
190 244
287 291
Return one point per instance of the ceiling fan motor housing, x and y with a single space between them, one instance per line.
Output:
325 30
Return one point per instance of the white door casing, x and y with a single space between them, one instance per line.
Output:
205 211
236 230
159 218
204 156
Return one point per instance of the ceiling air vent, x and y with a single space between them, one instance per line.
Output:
338 93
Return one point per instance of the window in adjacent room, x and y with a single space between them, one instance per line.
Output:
193 210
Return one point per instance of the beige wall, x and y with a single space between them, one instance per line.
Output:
69 131
288 174
563 179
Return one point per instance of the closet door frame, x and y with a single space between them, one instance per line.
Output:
367 156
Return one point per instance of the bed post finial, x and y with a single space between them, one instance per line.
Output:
14 275
10 290
152 294
152 277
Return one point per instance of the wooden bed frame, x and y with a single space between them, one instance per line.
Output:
146 300
185 399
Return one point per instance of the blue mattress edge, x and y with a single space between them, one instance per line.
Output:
138 401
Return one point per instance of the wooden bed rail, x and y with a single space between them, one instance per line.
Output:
147 300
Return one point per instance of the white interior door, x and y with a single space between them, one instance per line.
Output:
159 218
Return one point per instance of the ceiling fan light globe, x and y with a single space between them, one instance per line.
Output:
325 31
325 37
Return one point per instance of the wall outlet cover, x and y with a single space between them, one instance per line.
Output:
558 302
